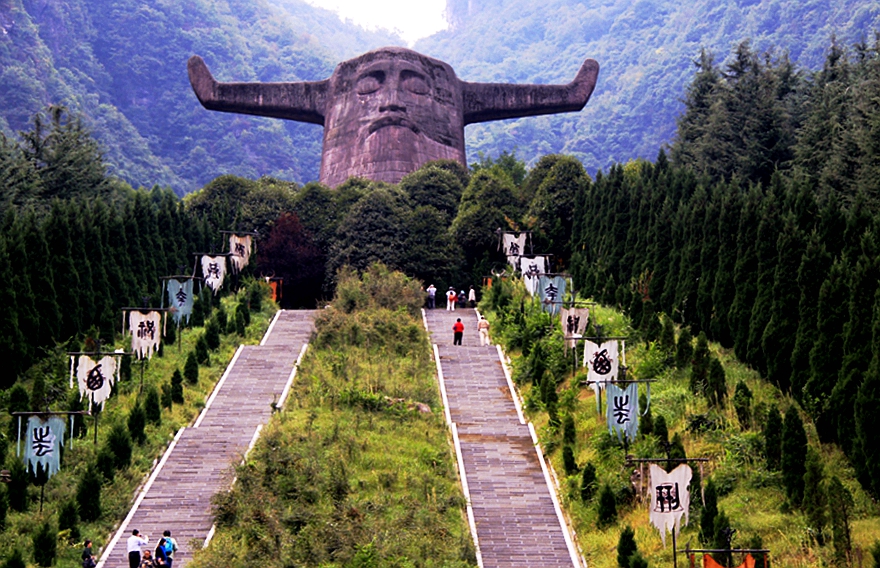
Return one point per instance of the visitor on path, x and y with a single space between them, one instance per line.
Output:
147 560
160 558
87 549
432 294
170 547
472 297
483 328
457 332
450 299
135 542
462 300
89 561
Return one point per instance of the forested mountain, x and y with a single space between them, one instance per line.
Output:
122 64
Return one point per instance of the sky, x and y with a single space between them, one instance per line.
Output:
411 20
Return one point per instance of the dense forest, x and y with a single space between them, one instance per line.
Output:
121 65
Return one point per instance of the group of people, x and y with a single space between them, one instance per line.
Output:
453 298
139 553
482 327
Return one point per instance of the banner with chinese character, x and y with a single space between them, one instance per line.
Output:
240 249
514 247
214 271
531 269
95 379
180 298
551 291
146 332
574 323
601 362
44 439
622 412
670 498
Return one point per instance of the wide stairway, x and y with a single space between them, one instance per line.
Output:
198 463
517 520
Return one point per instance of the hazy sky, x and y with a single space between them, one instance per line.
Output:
411 20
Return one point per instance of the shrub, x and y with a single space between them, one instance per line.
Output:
68 520
119 444
191 369
626 546
45 545
773 439
660 429
212 334
794 455
171 333
137 421
18 485
607 508
637 560
588 482
568 462
568 430
15 560
152 408
177 387
717 383
202 354
684 349
105 463
165 398
700 366
88 494
709 512
221 317
742 404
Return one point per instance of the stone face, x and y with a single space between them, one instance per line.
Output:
388 111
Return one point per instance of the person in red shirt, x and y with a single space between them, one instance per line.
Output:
457 332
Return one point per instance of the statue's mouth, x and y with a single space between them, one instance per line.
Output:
392 121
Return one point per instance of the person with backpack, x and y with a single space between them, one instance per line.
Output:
450 299
170 547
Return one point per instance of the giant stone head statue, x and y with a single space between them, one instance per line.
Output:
390 110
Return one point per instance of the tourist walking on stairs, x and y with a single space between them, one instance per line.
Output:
483 328
457 332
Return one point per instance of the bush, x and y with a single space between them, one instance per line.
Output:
165 398
191 369
221 318
202 354
568 431
152 408
607 508
238 325
119 444
588 482
742 404
137 421
171 333
709 512
626 546
18 486
68 520
15 560
684 349
660 429
105 463
45 545
717 384
212 334
88 494
177 387
568 462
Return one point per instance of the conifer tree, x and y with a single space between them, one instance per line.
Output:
744 274
165 397
45 541
15 560
68 520
119 444
684 348
646 421
696 491
88 494
17 488
723 291
721 538
607 507
766 253
212 334
626 546
866 450
177 387
137 421
191 369
773 439
810 275
667 337
700 369
815 502
742 404
152 408
650 326
709 512
660 429
202 354
39 401
588 482
794 454
841 505
717 387
568 430
568 462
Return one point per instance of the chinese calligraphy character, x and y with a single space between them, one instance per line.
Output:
213 270
239 249
146 329
621 409
573 324
667 498
550 293
95 378
181 297
533 270
43 442
514 249
601 363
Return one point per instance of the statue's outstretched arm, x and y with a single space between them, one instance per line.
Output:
302 101
495 101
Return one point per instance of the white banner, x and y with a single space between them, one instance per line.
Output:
146 332
240 249
95 379
214 271
670 498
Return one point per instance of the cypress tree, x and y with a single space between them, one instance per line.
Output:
238 324
825 354
75 404
626 546
45 542
19 401
125 371
191 369
723 291
202 355
773 439
68 520
165 398
700 368
637 560
15 560
221 317
177 387
810 275
684 351
745 273
794 454
119 445
17 488
607 507
39 400
170 333
137 421
866 451
588 482
676 452
88 494
105 462
717 391
721 538
767 236
742 404
660 429
667 337
646 421
815 503
152 408
650 326
568 462
568 430
840 511
4 507
709 512
212 334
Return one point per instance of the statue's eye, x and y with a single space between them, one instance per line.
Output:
414 83
370 83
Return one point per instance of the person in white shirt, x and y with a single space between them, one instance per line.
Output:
135 542
483 327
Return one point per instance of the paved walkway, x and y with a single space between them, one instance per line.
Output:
517 520
197 464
